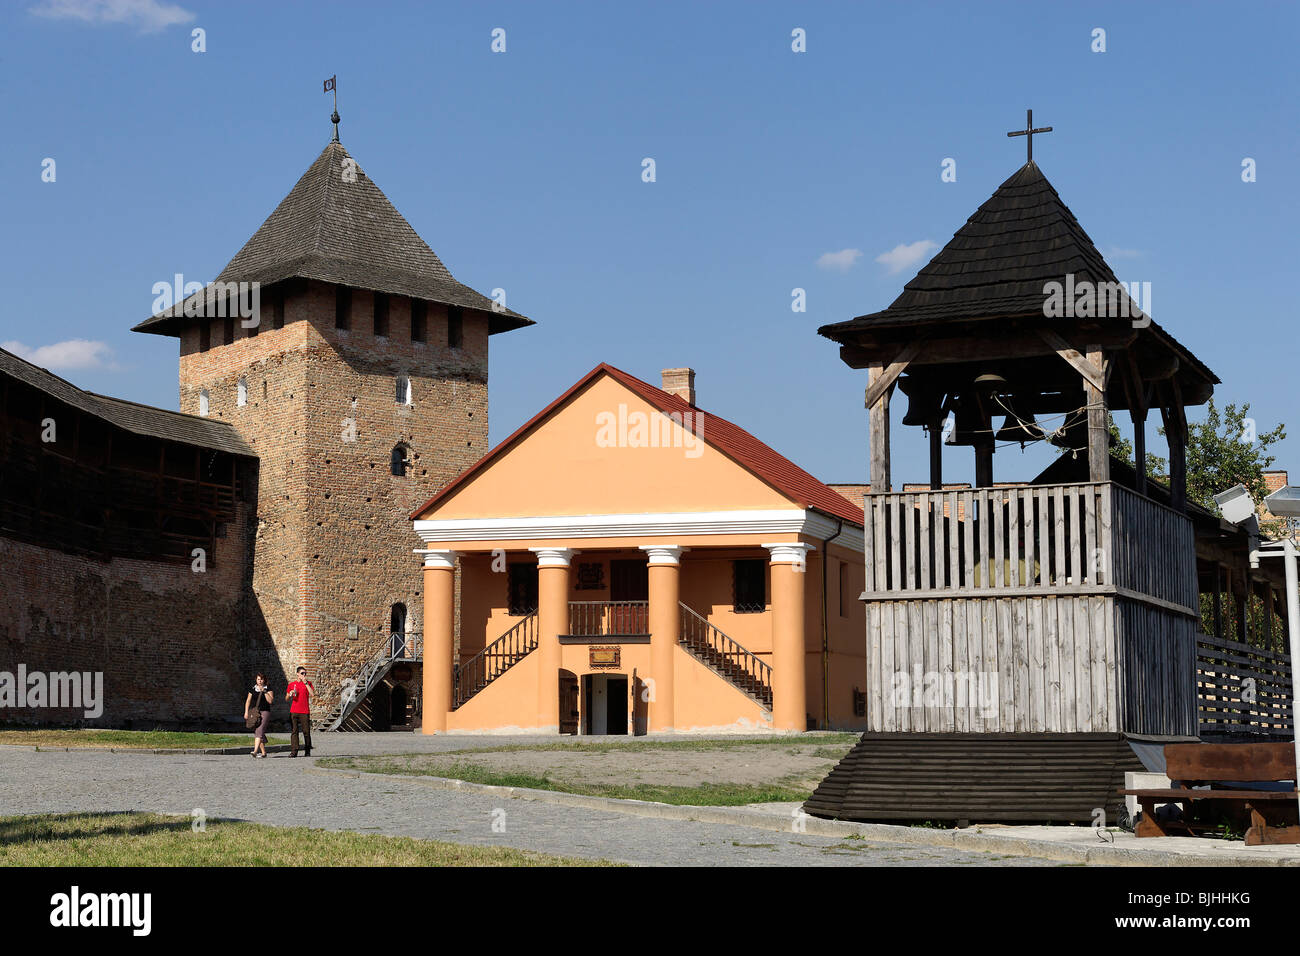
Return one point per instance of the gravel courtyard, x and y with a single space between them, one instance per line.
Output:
283 791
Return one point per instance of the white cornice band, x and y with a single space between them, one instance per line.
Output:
785 521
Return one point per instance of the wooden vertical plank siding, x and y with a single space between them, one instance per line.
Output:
922 509
968 531
1074 604
954 544
908 511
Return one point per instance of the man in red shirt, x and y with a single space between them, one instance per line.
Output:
300 693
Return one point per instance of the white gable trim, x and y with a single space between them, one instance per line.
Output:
787 521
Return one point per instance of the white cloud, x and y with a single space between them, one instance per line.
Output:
1115 252
70 355
841 261
149 15
904 256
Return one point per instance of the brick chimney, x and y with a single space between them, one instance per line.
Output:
680 382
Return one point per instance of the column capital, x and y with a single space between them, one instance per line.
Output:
442 558
670 554
789 552
553 557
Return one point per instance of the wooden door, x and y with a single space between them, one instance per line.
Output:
568 703
628 581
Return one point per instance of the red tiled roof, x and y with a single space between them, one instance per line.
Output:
730 439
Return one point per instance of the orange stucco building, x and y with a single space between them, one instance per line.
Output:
626 562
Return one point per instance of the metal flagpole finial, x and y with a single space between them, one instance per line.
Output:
331 86
1029 132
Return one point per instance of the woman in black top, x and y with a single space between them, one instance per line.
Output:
259 700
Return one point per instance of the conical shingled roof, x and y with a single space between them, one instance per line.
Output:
997 263
345 231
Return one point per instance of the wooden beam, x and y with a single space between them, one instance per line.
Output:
1094 374
1098 433
878 433
879 384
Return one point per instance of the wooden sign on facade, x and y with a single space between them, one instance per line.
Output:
605 656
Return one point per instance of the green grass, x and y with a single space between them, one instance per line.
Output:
147 839
129 739
704 795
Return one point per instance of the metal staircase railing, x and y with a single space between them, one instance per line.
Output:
494 660
397 646
726 657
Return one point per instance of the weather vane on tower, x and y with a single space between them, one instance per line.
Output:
332 86
1028 131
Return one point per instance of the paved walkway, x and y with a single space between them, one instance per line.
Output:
281 792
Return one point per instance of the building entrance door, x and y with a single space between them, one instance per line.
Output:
604 704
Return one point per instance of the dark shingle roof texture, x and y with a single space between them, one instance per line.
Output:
344 231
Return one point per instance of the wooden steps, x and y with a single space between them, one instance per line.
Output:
977 777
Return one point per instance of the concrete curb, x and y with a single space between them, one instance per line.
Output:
970 839
218 751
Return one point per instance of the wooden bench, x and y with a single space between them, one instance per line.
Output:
1273 813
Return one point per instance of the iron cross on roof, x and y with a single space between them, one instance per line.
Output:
1030 131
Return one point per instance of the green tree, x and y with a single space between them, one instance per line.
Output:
1226 449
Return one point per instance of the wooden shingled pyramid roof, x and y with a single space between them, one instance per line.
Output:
337 226
995 265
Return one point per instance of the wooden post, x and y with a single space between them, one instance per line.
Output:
1217 603
878 436
1175 419
936 454
1138 406
1098 436
984 461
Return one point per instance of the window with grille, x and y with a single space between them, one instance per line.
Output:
401 460
522 584
403 394
749 586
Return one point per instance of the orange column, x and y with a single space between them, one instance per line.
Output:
665 630
552 621
789 653
439 637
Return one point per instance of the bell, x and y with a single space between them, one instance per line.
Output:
1015 430
922 408
966 425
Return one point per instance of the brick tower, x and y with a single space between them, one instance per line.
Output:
362 386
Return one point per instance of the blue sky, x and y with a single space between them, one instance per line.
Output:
522 170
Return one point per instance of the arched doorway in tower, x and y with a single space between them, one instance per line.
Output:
397 630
